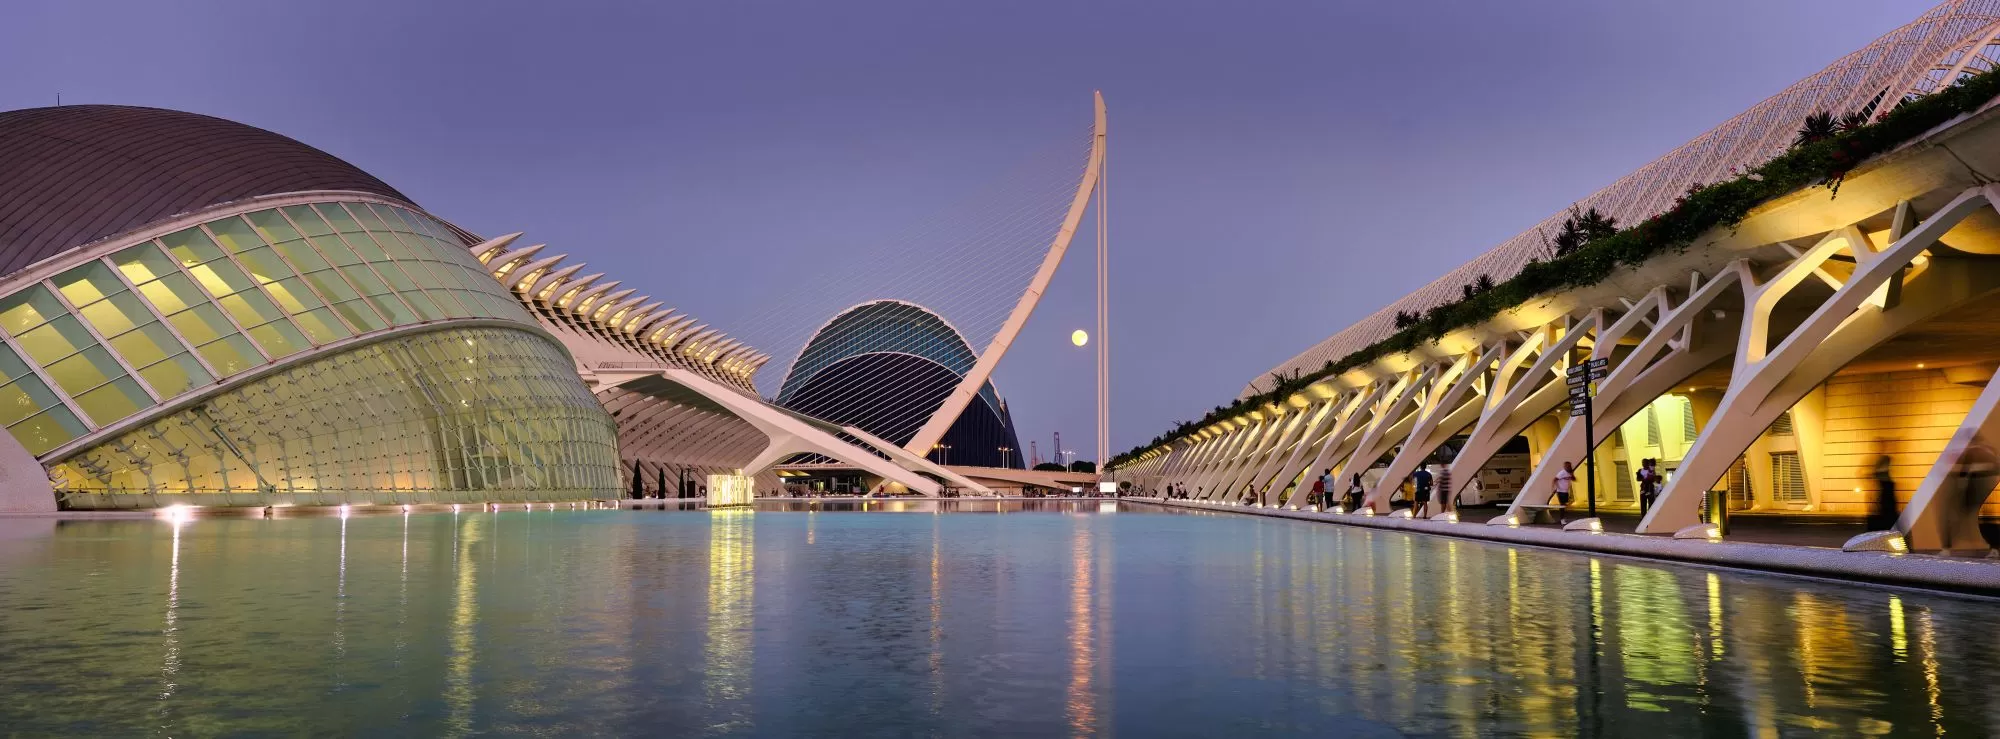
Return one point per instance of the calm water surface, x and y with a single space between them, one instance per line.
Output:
1065 619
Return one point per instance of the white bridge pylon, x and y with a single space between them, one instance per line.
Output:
954 404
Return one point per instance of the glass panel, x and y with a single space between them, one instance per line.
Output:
279 339
23 398
175 376
363 318
292 295
399 220
147 345
190 247
221 278
232 355
302 255
111 403
143 262
449 304
85 370
364 279
235 235
201 324
264 264
51 429
120 314
250 308
335 250
338 216
273 226
28 308
321 326
307 220
11 365
397 280
395 245
366 247
397 313
55 340
329 284
422 304
88 283
367 217
172 293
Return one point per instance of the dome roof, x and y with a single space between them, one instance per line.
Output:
74 174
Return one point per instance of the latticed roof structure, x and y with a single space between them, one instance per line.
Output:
1956 39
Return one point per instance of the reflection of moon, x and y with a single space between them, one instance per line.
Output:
1078 337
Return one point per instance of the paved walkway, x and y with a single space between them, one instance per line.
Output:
1956 574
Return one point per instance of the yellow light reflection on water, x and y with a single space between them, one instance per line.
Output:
1082 706
731 587
458 692
1715 615
1899 639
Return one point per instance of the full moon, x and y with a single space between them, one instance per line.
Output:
1078 337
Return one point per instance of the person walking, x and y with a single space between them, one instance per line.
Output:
1978 469
1884 516
1447 501
1565 479
1318 492
1420 504
1328 483
1649 483
1355 493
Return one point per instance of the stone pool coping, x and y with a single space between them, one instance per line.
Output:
1952 574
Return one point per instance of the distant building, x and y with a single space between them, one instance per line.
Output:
885 367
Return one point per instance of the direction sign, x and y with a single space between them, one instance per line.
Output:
1594 366
1574 412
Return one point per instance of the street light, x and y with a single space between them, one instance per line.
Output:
1004 459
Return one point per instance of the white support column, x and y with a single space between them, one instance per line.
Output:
1664 357
1380 433
1937 505
1293 449
1519 399
1768 380
1278 429
1353 417
1443 413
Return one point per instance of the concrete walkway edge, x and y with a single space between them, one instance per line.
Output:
1973 576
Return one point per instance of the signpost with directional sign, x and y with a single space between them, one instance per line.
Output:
1579 378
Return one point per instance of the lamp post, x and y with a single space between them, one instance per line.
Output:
1005 460
947 453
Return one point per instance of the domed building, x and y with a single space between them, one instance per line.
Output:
198 311
885 367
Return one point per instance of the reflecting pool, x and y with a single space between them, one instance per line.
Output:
1037 619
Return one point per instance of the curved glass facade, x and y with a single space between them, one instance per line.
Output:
451 415
882 326
166 317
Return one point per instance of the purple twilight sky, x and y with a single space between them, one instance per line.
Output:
1278 169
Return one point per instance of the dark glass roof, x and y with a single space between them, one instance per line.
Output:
74 174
